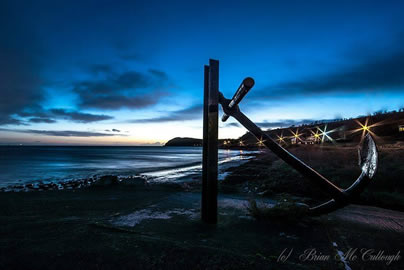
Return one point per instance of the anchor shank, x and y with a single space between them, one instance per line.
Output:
290 159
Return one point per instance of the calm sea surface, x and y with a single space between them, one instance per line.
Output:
24 164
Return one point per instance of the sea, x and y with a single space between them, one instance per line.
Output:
30 164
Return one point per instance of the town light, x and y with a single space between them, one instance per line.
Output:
366 128
260 142
296 135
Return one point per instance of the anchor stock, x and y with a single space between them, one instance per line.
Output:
242 90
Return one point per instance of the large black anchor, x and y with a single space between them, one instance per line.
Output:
368 156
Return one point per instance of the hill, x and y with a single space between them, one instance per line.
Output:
184 141
387 127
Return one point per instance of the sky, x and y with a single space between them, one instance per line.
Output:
131 72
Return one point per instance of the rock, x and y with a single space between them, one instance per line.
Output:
265 193
133 181
107 180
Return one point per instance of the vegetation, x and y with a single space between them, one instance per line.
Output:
267 175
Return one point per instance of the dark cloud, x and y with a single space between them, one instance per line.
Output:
191 113
116 102
115 130
378 71
79 117
101 68
9 120
41 120
19 65
131 57
158 73
61 133
233 125
52 115
129 80
130 89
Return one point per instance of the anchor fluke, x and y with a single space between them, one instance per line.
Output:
368 156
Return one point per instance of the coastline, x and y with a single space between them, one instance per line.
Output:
185 172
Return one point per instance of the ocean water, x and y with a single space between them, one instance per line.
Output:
29 164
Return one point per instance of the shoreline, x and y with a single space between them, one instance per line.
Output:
186 172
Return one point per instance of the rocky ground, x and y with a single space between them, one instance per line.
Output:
114 223
159 227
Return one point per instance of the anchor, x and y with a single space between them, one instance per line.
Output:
368 154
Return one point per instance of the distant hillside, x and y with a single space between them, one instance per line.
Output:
179 141
389 126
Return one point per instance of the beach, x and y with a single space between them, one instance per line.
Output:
130 223
158 226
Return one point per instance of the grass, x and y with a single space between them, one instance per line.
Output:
281 212
268 175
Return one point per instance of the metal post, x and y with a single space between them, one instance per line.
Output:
210 143
205 143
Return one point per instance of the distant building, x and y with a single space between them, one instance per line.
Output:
294 140
311 140
401 128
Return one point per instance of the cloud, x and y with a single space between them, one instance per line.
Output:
52 115
42 120
115 130
379 71
130 89
19 65
232 125
190 113
114 102
131 57
61 133
124 81
158 73
78 116
101 68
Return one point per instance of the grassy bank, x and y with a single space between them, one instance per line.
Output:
267 175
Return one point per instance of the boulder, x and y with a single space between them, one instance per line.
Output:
133 181
107 180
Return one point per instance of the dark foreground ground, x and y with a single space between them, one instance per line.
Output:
139 226
158 227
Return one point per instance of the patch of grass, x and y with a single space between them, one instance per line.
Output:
280 212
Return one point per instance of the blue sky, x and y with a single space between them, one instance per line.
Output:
131 72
